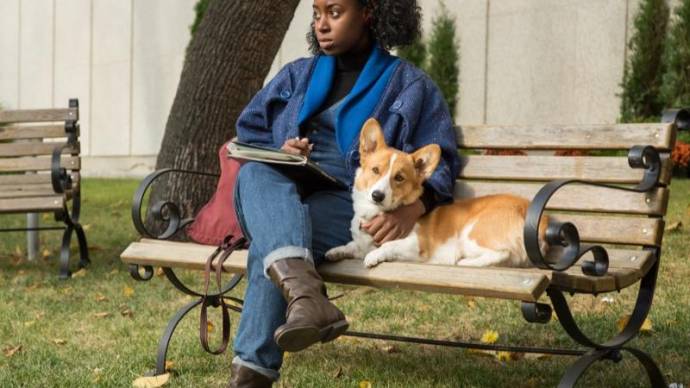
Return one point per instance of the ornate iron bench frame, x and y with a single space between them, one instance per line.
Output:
563 234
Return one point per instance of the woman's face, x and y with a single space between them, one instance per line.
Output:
341 26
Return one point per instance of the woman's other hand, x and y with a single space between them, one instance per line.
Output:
297 146
395 224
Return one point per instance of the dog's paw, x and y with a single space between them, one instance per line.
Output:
373 259
339 253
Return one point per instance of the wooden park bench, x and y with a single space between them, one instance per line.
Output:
39 171
606 228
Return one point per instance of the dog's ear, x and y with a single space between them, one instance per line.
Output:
371 138
426 159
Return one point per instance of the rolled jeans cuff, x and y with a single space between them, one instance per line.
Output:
270 373
288 252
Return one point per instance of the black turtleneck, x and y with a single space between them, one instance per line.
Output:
348 67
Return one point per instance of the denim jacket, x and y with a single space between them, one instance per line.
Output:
411 110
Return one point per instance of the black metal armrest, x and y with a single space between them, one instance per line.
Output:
566 234
59 177
164 211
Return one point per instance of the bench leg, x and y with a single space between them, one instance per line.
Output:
84 261
164 342
611 349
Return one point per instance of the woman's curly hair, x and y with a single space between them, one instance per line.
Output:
395 23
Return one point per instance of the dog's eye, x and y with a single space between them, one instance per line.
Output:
399 178
375 170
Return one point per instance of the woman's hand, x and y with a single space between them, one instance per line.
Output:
297 146
395 224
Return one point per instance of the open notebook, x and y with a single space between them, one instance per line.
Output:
298 167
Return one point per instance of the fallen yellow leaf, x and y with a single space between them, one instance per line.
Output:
471 303
101 298
536 356
127 313
104 314
46 253
79 274
364 384
210 326
59 341
11 350
505 356
151 381
489 337
169 365
86 227
159 271
645 328
673 226
127 291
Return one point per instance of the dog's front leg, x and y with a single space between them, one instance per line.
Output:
351 250
406 249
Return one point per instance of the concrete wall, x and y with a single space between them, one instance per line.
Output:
522 61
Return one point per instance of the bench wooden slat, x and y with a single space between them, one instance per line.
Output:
626 267
546 168
31 204
34 149
615 230
15 132
37 164
574 197
492 282
38 115
31 179
589 137
25 191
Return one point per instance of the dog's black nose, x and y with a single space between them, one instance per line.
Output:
378 196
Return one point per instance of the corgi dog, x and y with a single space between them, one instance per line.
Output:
478 232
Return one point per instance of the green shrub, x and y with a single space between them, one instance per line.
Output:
644 68
415 53
199 10
675 89
444 57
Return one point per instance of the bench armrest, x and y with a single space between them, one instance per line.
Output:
566 234
163 211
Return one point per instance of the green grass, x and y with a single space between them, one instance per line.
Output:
37 310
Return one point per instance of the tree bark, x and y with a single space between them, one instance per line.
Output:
226 62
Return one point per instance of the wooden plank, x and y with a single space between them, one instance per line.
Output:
552 137
26 191
525 285
574 197
37 164
546 168
34 149
626 267
29 179
38 115
32 132
615 230
34 204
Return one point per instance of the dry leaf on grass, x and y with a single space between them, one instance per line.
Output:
103 314
471 303
79 274
646 327
46 253
210 326
338 373
159 271
127 313
489 337
169 365
151 381
86 227
127 291
11 350
673 226
364 384
390 349
101 298
536 356
59 341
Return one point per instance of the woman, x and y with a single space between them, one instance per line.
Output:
316 106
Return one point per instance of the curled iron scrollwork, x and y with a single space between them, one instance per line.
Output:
565 234
166 212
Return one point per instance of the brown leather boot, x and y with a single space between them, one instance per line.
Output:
310 316
243 377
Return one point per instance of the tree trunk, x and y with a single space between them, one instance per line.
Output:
226 63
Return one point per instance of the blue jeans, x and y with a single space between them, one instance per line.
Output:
280 224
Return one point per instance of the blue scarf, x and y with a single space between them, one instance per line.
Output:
359 104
